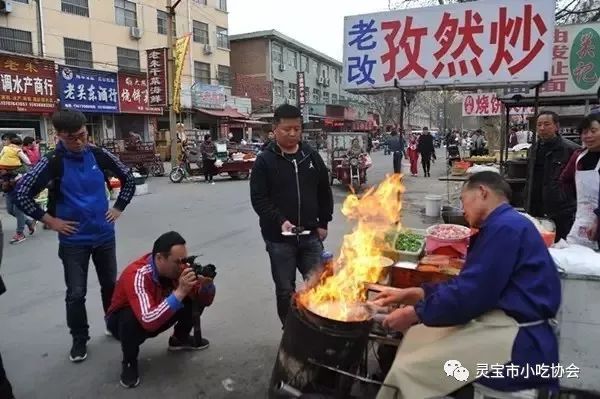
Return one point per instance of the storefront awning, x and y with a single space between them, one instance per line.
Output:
250 122
222 113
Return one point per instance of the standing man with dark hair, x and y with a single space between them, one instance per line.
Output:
549 198
426 148
290 192
209 157
78 210
397 147
152 295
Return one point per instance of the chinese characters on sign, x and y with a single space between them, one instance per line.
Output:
488 104
88 90
301 95
181 49
133 95
157 77
208 96
27 84
489 43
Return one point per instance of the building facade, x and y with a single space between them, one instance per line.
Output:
265 67
113 36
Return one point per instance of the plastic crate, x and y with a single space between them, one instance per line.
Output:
407 256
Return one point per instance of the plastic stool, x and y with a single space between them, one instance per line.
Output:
482 392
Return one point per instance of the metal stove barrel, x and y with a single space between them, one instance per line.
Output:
308 337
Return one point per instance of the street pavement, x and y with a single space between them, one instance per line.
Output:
242 325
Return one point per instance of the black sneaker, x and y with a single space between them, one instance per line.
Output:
130 378
78 350
187 344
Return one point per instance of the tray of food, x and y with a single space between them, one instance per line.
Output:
482 159
449 232
406 245
430 269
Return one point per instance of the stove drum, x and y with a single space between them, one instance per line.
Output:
308 339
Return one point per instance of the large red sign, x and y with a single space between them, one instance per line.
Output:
157 77
27 84
133 95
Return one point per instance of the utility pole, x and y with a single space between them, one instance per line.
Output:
171 77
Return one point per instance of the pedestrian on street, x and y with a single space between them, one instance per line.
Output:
153 294
78 210
209 157
478 146
413 154
5 387
397 147
549 198
270 139
290 192
426 148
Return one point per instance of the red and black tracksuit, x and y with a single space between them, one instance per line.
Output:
143 306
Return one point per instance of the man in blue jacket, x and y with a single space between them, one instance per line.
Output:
78 210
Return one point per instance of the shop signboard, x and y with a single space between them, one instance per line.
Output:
489 43
158 95
208 96
88 90
133 94
575 62
27 84
488 104
301 96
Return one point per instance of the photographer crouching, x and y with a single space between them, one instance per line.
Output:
160 290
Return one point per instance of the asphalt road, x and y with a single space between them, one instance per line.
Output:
242 326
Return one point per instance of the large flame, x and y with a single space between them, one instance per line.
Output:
342 286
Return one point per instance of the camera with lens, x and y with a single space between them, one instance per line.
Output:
208 271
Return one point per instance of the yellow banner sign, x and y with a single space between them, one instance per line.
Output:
181 49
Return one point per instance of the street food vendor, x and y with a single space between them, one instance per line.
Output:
552 153
582 173
498 311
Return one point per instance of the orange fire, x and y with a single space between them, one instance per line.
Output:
339 290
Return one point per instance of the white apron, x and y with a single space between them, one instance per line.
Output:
419 368
587 183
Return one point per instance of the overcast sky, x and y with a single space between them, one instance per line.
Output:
316 23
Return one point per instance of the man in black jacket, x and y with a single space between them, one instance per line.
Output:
5 388
426 148
548 197
290 192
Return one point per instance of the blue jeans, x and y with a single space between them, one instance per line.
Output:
18 214
286 257
76 261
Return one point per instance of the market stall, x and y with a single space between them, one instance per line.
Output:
140 156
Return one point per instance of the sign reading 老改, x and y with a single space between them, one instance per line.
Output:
27 84
157 77
489 43
88 90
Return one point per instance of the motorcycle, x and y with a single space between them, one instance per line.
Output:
185 170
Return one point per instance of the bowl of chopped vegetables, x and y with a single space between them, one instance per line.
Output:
410 245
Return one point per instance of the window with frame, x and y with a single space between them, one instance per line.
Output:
316 96
128 59
325 71
336 75
278 88
293 59
78 53
222 37
304 63
326 97
222 5
306 94
224 75
76 7
277 53
162 20
334 98
200 32
15 41
202 72
316 67
126 13
292 91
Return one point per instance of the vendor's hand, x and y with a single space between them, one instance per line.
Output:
64 227
401 319
322 234
112 215
406 296
287 227
187 281
593 231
